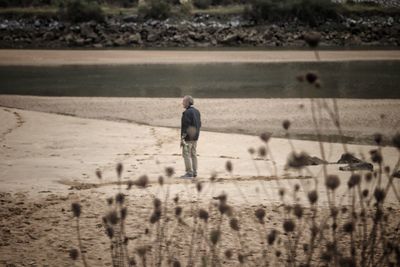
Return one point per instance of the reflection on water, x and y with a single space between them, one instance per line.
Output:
371 79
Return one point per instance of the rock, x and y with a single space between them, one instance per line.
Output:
230 39
119 42
348 158
360 166
98 46
152 37
80 42
87 31
49 36
135 38
316 161
130 18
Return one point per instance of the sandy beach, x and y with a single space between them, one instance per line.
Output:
51 148
87 57
360 118
49 160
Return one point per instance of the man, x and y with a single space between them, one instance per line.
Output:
190 131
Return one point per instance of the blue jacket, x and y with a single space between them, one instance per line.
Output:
190 124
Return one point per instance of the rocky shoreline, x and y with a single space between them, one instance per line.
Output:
200 31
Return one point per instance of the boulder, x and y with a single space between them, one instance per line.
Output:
135 38
49 36
87 31
230 39
348 158
360 166
152 37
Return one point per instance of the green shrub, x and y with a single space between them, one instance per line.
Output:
186 9
155 9
312 11
305 10
81 10
202 4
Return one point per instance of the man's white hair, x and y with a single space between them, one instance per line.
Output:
189 99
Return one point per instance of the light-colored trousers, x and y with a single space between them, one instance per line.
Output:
189 154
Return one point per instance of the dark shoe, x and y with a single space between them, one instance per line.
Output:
195 174
188 175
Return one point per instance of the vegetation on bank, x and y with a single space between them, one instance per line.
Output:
309 11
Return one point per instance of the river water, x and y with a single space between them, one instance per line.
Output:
352 79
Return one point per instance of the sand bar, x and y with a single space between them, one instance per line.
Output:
81 57
48 161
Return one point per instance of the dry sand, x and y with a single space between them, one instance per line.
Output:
48 161
79 57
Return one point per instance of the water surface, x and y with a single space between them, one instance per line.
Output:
353 79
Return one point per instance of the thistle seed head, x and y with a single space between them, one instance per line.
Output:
161 180
73 253
312 39
112 217
157 203
348 227
203 214
286 124
98 174
228 166
214 236
169 171
120 198
332 182
234 224
119 169
378 138
199 186
265 137
289 225
110 232
271 237
376 156
379 194
368 177
260 214
297 161
251 151
176 263
354 180
178 211
298 210
155 216
312 196
124 213
228 253
76 209
262 151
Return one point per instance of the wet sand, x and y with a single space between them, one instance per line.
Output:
360 118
